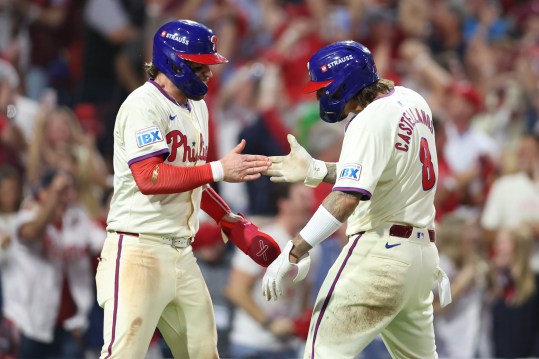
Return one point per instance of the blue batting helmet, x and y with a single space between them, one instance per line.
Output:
342 69
181 40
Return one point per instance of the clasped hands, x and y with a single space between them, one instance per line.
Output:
297 166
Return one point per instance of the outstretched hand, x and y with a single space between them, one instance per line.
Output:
292 167
272 282
242 168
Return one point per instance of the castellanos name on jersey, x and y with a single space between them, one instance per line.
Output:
148 136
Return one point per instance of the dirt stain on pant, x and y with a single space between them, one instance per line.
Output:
133 329
364 306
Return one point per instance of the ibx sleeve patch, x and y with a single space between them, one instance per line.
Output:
148 136
350 171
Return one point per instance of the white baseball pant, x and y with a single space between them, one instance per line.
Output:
143 283
379 284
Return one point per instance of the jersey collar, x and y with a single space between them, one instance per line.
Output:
170 98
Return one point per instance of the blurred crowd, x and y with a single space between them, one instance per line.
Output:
66 66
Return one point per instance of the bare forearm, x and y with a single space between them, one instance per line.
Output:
238 291
340 205
245 301
331 176
32 231
300 246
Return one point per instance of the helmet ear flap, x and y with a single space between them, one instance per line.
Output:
346 86
181 74
332 103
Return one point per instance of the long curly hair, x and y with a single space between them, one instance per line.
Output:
367 94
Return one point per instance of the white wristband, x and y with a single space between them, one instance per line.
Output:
321 226
315 173
217 171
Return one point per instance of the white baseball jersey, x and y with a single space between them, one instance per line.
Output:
150 123
382 283
389 156
39 267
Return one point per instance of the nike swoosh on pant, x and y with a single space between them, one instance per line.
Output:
388 246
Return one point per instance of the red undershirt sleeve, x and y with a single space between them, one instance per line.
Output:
153 176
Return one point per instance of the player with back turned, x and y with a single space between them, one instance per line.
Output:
384 184
147 276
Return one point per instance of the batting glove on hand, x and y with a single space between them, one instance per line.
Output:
297 166
260 246
281 267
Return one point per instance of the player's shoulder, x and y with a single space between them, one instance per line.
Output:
398 101
381 112
142 100
401 97
141 96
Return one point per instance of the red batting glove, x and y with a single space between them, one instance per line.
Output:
258 245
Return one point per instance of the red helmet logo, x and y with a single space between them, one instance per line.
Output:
163 33
214 42
324 68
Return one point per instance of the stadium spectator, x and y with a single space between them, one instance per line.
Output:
109 27
467 148
450 185
225 17
249 108
53 30
445 38
14 40
12 142
457 327
261 329
521 208
526 66
236 105
515 298
59 142
10 200
50 276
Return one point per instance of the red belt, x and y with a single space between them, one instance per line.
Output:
399 230
128 234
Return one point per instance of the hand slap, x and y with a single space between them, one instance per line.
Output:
292 167
279 268
238 167
297 166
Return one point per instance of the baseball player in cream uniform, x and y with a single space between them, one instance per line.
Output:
384 187
148 276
